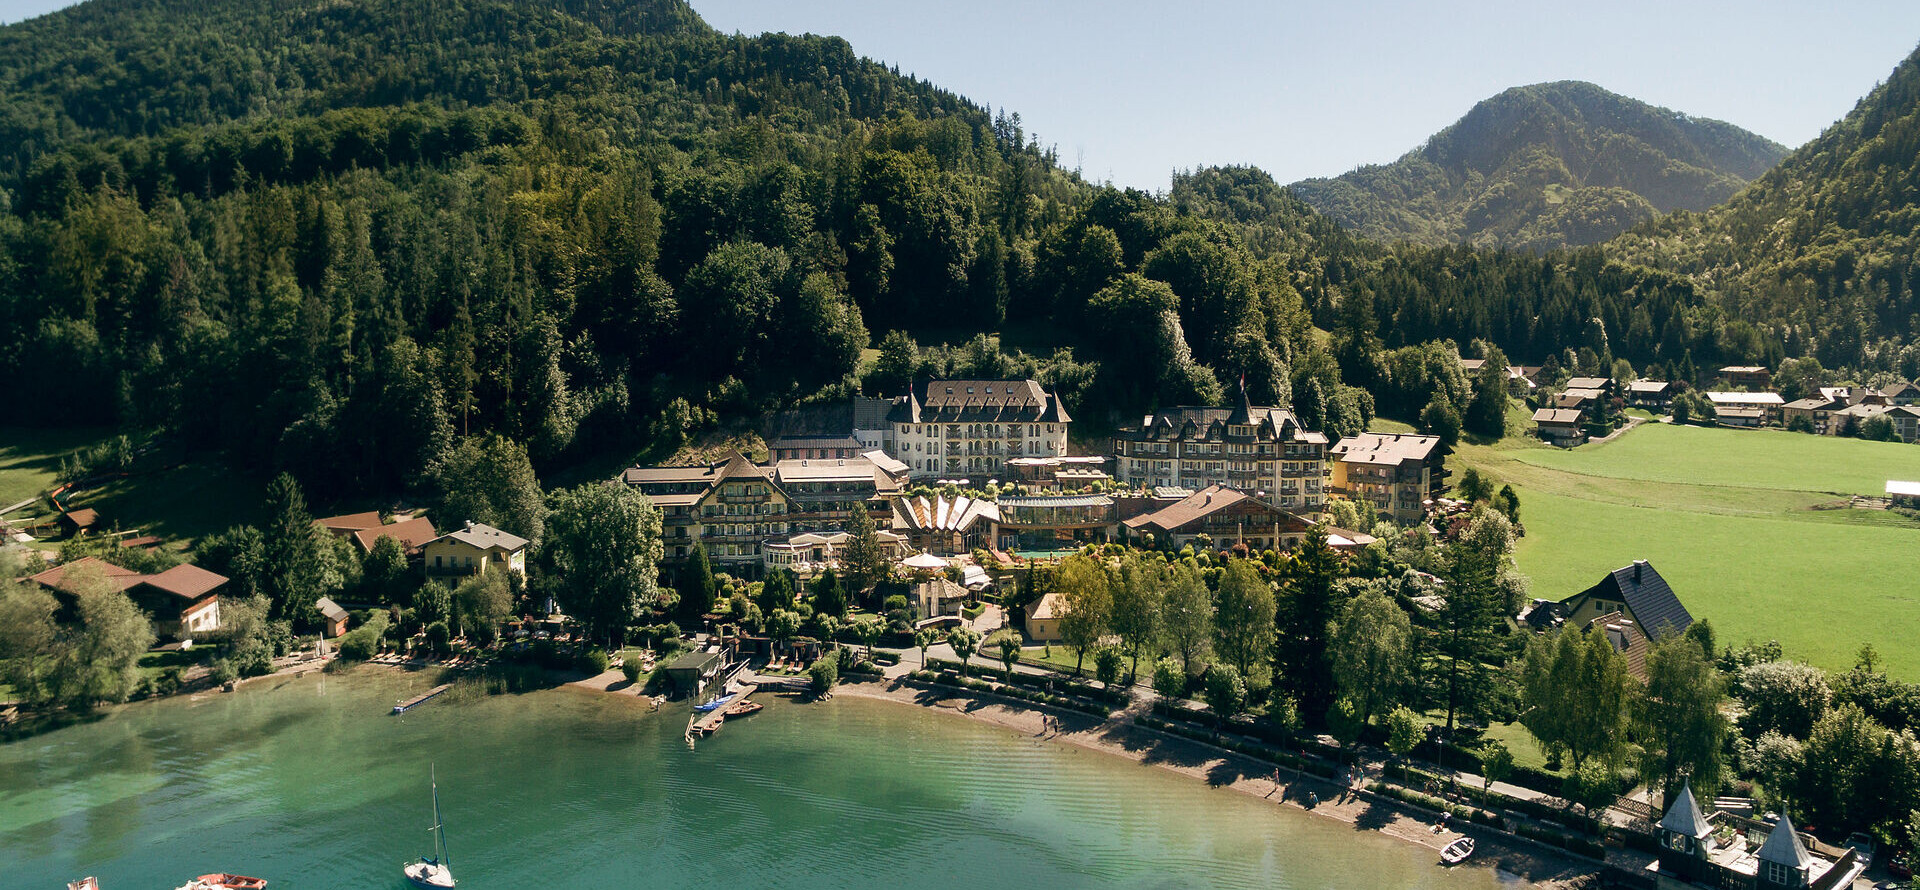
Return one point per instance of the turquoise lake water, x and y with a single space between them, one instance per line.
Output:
309 783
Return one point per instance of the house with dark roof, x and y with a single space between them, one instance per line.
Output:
1560 426
969 429
78 522
179 602
1750 376
1638 593
332 616
1651 394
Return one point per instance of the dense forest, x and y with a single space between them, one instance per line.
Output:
1822 249
333 239
1550 165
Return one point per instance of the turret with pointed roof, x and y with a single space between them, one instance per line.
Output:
1784 861
1684 817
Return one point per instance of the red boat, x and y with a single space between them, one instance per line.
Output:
225 881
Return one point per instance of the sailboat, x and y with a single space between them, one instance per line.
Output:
433 872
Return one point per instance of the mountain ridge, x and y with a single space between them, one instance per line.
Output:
1547 165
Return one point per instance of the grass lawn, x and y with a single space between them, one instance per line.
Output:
179 503
1749 527
1772 459
29 458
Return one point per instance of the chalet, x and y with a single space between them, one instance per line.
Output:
1043 618
1755 377
1906 422
473 549
1651 394
345 526
1769 405
1627 640
1602 385
944 525
180 601
1726 852
1848 421
333 618
1519 377
1399 474
1591 403
1904 394
411 534
1225 516
1639 594
1560 426
1815 411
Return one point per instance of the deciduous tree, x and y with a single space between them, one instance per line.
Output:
604 543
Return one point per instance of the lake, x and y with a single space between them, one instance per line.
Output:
308 782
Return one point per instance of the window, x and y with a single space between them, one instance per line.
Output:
1783 875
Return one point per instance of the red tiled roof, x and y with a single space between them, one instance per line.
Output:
411 534
56 577
186 581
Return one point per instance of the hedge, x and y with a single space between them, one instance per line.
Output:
1114 698
1551 812
1014 692
1247 747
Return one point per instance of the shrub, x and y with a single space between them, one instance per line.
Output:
1169 679
825 672
1106 665
592 661
223 671
631 670
438 636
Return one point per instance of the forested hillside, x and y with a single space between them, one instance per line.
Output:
1546 166
1823 247
330 238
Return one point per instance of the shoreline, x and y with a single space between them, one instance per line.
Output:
1219 768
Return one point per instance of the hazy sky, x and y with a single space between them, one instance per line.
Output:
1128 91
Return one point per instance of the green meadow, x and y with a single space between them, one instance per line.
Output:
1750 527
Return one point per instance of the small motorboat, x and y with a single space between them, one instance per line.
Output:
716 704
87 883
743 708
1457 852
223 881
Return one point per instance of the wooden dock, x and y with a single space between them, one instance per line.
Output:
409 704
710 722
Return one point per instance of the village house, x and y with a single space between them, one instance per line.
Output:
1605 386
1747 409
1906 422
1754 377
1638 593
179 602
1591 403
1904 394
1043 619
970 428
1655 395
473 549
1815 412
78 522
1226 517
1727 852
1262 451
345 526
1399 474
1520 378
1560 426
411 534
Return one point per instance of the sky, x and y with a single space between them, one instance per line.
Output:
1130 91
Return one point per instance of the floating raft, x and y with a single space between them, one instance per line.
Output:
407 705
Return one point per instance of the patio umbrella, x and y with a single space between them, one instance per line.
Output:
924 561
